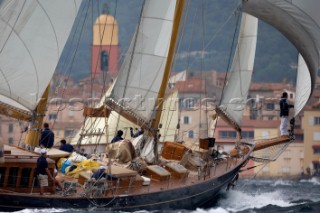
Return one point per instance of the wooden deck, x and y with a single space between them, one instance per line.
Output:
129 183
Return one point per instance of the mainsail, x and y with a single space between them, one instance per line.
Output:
136 88
28 59
299 21
140 77
236 91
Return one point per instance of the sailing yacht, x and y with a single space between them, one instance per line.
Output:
173 177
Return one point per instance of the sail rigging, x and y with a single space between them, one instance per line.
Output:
26 56
236 90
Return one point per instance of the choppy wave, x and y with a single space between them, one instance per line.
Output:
53 210
314 180
239 201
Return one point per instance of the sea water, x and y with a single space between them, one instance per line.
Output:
253 196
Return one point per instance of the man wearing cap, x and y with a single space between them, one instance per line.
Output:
100 173
43 172
284 113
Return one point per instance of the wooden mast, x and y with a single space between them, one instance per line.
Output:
165 79
32 139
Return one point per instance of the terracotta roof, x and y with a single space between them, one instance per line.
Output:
270 86
193 85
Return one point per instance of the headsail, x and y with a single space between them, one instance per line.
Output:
236 91
140 76
299 21
33 35
303 88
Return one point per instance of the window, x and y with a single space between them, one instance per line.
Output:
270 106
10 141
25 175
299 137
52 116
104 66
2 175
316 136
248 134
227 134
316 120
68 133
291 96
10 128
316 165
191 134
189 103
186 119
316 149
13 176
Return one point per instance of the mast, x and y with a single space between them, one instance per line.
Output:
33 134
165 79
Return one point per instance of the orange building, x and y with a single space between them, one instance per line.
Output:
105 46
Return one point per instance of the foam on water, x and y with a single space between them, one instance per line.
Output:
41 210
213 210
239 201
282 183
314 181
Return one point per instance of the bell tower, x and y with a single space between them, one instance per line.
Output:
105 46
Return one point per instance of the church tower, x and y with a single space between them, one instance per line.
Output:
105 46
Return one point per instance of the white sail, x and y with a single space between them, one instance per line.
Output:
102 130
33 35
170 118
299 21
236 91
141 74
303 88
99 130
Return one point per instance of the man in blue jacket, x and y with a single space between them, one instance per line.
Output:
118 137
47 137
65 146
284 113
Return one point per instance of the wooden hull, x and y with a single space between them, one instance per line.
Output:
188 197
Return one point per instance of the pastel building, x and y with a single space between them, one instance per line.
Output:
105 46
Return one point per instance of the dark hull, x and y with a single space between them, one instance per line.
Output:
189 197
